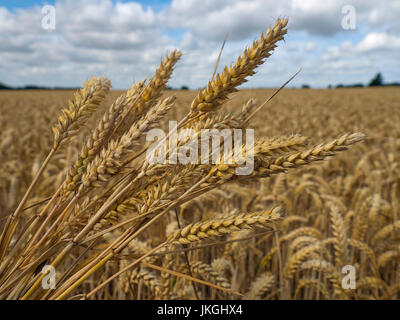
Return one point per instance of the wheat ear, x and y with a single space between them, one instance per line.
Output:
149 93
209 274
84 104
218 89
260 286
149 279
101 134
268 167
218 227
109 161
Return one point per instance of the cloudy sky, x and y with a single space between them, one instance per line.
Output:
124 40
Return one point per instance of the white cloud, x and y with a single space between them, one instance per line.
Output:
212 19
102 25
379 41
91 37
358 62
385 16
373 43
125 41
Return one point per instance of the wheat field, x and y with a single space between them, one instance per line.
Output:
324 193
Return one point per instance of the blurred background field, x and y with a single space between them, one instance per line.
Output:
363 184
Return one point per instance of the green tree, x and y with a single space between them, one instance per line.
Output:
377 80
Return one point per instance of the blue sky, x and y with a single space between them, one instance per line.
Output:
15 4
157 5
125 40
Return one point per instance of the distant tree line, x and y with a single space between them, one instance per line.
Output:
376 81
34 87
181 88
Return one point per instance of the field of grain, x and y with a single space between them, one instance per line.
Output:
324 195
